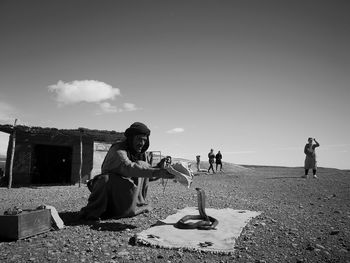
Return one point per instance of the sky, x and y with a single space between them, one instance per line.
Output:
253 79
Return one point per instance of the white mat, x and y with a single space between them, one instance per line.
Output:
222 240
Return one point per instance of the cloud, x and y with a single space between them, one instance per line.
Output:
90 91
130 107
7 112
106 107
83 91
176 130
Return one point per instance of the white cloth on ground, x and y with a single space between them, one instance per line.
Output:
222 240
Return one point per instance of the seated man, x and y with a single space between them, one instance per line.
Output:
121 189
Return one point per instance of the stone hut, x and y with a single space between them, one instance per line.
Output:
56 156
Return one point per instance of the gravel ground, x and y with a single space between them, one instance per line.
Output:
302 220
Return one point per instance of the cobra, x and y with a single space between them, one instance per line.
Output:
204 222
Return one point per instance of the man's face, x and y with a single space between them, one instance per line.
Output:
138 142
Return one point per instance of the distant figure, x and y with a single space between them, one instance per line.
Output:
198 159
211 156
1 172
218 158
310 159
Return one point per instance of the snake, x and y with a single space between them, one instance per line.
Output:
205 222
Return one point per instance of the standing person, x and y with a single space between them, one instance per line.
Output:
211 156
121 189
310 159
218 158
198 159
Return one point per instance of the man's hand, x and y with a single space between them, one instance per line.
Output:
164 162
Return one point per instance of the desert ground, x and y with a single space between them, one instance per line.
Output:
302 220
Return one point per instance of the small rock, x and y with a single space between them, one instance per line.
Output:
123 253
319 246
180 254
343 250
310 247
334 232
48 244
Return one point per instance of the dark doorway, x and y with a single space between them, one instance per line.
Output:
51 164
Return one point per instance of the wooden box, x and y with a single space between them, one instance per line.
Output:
25 224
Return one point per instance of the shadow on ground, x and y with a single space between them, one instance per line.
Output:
73 219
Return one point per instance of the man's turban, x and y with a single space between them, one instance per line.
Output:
137 128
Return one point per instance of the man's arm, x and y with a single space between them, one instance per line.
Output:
317 144
117 162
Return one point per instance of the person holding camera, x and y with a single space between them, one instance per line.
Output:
310 159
